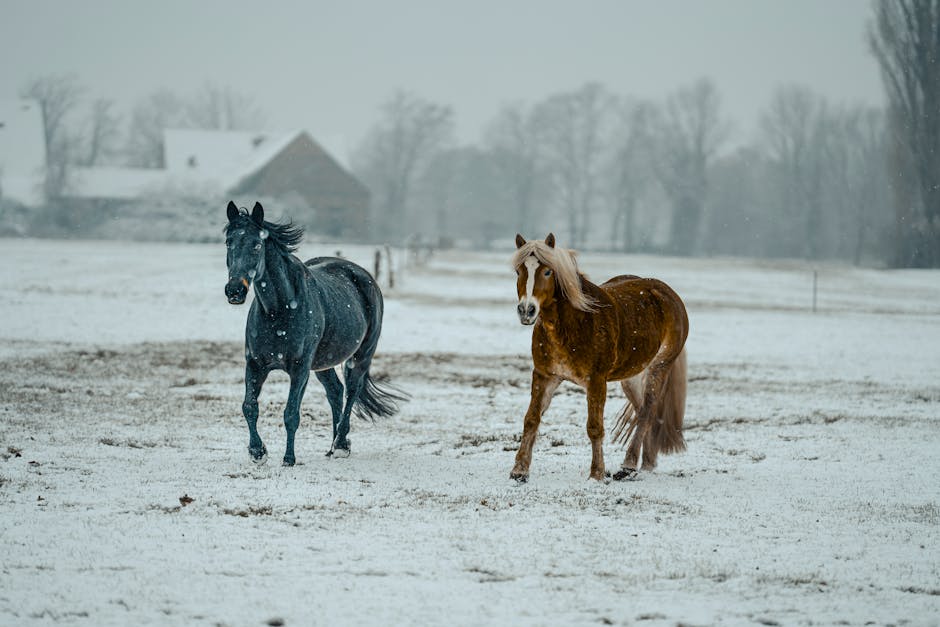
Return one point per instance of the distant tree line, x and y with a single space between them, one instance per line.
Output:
616 172
815 180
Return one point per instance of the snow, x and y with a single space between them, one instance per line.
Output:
808 493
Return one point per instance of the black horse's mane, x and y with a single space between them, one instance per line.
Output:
286 237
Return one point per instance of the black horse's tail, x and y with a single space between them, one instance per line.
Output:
378 399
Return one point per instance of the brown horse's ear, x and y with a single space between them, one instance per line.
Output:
257 213
231 211
520 241
550 240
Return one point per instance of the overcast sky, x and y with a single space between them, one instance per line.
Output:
327 66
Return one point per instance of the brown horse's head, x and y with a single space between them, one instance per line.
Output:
535 283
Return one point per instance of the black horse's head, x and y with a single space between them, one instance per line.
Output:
245 237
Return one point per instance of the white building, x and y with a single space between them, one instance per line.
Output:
22 152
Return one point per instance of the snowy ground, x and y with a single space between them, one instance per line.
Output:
809 492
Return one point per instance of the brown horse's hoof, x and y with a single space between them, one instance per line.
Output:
519 477
602 477
626 474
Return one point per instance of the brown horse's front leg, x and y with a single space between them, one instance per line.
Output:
543 386
596 399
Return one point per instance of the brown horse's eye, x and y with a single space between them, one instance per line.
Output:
548 272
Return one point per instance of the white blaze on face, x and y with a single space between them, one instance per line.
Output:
531 265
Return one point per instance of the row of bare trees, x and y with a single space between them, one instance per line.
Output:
816 179
636 175
87 132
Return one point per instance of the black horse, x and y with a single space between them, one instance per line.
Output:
305 316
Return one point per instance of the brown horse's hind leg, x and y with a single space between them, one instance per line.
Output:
596 399
657 425
543 386
633 389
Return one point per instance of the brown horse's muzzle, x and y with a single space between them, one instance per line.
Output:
528 312
236 290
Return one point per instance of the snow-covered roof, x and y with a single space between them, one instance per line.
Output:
22 152
223 157
212 161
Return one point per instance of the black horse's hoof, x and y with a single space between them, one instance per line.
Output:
339 453
626 474
258 456
340 449
289 461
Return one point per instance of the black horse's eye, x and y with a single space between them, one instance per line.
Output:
258 246
548 272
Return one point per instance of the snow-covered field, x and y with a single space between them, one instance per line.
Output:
809 493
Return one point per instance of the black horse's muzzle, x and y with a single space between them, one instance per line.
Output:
236 291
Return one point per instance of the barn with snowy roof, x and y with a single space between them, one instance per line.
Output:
316 191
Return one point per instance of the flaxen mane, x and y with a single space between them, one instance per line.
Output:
563 263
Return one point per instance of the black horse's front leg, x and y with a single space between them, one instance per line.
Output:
255 376
298 384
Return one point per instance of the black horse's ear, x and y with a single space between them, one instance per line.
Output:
232 211
550 240
257 213
520 241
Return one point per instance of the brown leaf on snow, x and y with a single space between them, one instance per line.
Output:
186 500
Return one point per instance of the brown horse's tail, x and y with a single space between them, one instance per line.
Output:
663 434
666 435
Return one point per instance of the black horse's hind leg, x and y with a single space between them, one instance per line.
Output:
298 383
355 378
255 376
334 394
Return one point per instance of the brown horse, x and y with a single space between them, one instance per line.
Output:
629 329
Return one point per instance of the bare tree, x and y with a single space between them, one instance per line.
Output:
149 118
103 133
794 128
218 107
463 190
688 135
742 217
410 131
905 39
211 108
575 126
437 182
629 172
58 96
513 140
856 177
